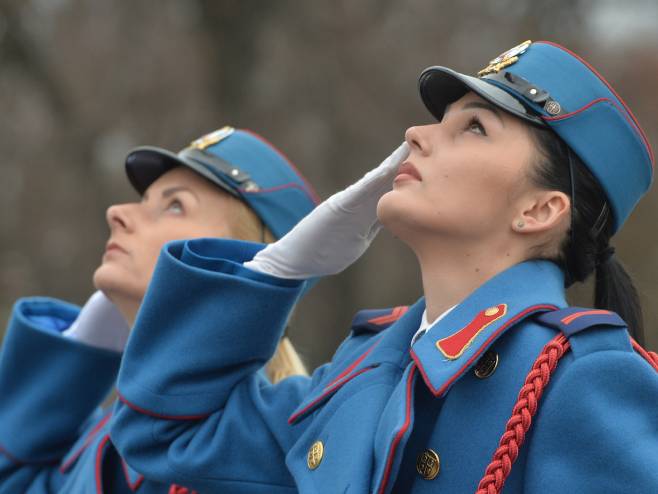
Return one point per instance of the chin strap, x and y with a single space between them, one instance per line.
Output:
525 408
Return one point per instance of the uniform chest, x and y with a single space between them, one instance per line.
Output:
384 426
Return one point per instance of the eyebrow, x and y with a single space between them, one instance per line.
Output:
172 190
178 188
484 106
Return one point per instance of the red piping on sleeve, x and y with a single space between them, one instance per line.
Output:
143 411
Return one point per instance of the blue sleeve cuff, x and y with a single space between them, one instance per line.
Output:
206 322
46 314
49 384
225 256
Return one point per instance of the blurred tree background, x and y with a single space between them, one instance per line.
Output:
333 84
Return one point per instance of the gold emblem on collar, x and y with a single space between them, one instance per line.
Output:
213 138
508 58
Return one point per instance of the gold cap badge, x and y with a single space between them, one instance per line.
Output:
508 58
213 138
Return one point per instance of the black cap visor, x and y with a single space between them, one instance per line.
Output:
440 86
144 165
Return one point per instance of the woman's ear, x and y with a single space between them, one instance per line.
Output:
542 212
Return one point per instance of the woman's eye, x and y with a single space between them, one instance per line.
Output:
175 207
474 125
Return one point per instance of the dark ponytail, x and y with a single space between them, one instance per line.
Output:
614 290
586 248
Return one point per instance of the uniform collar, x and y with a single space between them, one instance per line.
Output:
522 290
425 324
453 344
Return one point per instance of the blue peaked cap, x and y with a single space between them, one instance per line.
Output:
243 164
550 86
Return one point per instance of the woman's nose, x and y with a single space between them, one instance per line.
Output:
417 140
118 217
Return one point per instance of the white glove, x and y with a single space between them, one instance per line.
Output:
100 324
336 233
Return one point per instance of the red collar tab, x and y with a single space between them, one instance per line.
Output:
441 363
453 346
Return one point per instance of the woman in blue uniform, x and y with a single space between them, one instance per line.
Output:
58 362
490 381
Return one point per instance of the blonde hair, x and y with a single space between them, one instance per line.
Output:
246 225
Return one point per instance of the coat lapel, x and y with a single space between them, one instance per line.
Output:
391 345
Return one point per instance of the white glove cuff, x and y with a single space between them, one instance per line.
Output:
100 324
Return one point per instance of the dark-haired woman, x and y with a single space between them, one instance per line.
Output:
490 381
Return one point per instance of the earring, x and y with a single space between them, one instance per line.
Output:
520 224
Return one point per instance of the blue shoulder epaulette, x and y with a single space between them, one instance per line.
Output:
573 320
376 320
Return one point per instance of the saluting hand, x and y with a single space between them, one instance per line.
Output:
334 234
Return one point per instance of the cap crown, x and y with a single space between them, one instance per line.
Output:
275 190
586 112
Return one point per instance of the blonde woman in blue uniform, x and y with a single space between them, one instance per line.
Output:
490 382
59 362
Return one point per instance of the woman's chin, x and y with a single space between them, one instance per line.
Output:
386 206
395 214
111 279
410 218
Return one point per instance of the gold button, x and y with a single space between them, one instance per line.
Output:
315 453
491 311
428 464
486 365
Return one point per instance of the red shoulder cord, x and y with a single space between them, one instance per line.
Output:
526 406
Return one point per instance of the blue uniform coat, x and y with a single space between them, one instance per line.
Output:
54 437
194 409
